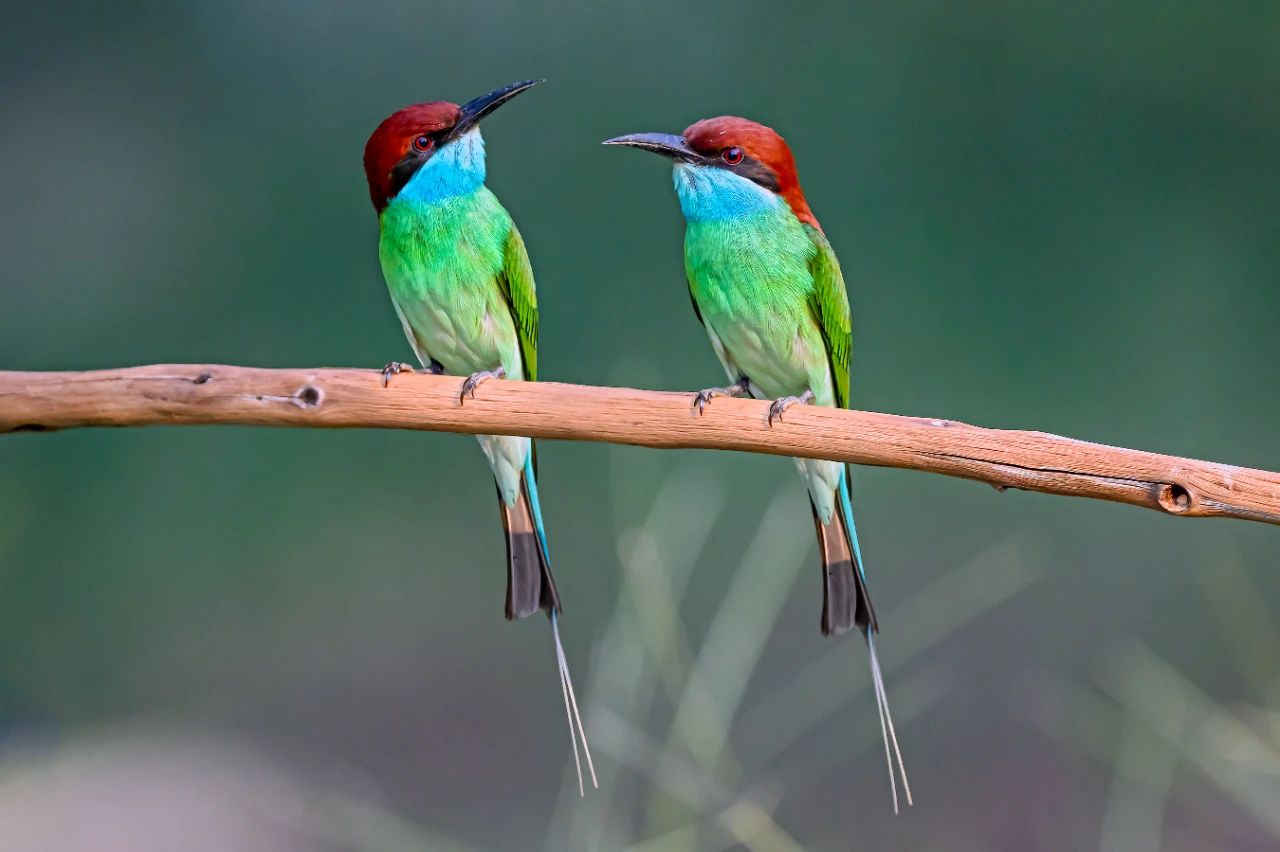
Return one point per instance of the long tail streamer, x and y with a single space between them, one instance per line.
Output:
887 733
571 711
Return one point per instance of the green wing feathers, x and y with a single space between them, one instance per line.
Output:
830 306
516 281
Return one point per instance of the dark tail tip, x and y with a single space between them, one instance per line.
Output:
530 586
524 575
846 603
839 598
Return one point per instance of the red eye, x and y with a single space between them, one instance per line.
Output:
423 144
732 156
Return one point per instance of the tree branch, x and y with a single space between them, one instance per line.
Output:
189 394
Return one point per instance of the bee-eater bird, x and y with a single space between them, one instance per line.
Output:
768 289
462 286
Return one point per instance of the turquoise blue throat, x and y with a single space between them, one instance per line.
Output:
708 194
456 169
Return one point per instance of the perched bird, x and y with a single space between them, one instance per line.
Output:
461 284
768 289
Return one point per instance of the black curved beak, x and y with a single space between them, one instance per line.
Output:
471 113
665 144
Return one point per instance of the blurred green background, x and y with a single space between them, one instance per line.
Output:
1051 216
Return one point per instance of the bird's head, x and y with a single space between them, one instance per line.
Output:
432 150
727 167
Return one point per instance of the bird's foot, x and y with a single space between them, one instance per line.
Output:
705 395
473 381
394 368
781 405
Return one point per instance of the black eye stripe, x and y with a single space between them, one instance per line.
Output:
748 167
402 172
757 172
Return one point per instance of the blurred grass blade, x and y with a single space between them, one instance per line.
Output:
1241 763
684 837
369 828
677 776
742 624
930 615
745 819
1134 816
913 697
630 657
1241 614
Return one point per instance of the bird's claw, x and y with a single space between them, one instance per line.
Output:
394 368
705 395
782 404
473 381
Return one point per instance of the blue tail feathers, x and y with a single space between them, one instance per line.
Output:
846 508
531 484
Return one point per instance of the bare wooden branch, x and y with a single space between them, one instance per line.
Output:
187 394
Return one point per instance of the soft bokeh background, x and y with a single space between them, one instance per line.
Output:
1059 217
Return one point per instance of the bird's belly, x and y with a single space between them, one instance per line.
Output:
462 329
777 357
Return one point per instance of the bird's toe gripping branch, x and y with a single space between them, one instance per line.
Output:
782 404
705 395
474 380
394 368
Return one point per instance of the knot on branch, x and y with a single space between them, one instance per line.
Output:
309 396
1174 498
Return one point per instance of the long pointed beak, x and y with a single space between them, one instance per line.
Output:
665 144
471 113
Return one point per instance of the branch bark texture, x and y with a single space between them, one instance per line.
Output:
195 394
